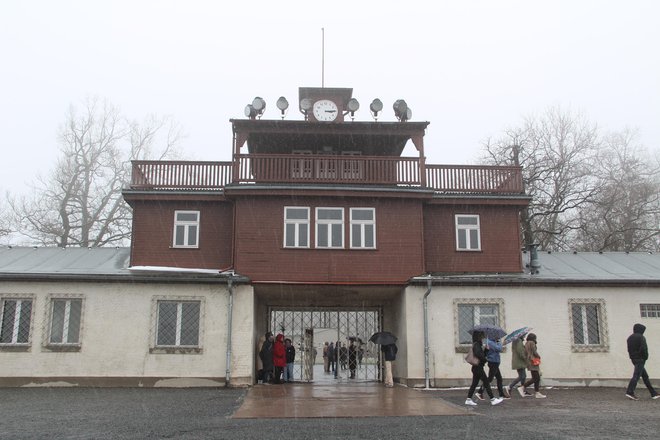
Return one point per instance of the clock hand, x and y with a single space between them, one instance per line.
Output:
330 111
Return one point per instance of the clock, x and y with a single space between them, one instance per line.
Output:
325 110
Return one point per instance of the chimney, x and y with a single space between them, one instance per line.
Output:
534 263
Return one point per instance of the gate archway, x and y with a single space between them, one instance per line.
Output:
310 328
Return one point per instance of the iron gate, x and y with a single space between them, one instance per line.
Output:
310 329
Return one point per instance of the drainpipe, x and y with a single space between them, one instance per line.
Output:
426 333
230 288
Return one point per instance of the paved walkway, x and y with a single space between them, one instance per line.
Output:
341 400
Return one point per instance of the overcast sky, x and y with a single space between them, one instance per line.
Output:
471 68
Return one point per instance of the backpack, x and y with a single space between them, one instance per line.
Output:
470 358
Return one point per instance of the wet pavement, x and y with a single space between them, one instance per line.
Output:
210 413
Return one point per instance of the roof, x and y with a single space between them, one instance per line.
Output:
576 268
99 263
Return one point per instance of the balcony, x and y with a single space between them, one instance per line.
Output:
322 169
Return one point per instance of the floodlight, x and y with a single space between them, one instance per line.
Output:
375 107
283 105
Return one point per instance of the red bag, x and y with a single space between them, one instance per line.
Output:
536 361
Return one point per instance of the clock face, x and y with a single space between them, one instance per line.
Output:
325 110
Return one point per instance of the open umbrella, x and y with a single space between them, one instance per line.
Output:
491 331
383 338
516 334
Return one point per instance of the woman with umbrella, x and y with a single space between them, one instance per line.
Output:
533 365
478 373
389 349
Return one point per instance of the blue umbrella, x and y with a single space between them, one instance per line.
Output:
491 331
516 334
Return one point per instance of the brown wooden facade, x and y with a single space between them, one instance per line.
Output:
340 165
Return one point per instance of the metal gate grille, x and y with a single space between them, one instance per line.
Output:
309 329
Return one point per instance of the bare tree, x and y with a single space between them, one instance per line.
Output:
80 203
625 215
557 152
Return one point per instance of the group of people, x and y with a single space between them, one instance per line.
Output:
277 357
525 356
338 356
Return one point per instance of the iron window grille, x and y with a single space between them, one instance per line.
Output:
65 321
649 310
16 321
363 228
469 312
178 324
186 229
330 228
588 325
296 227
468 232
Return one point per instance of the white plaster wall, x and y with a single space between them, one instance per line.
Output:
546 309
117 332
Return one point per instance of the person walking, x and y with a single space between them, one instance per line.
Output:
266 356
519 363
279 358
331 356
352 357
493 350
534 367
389 353
290 359
639 353
478 373
326 361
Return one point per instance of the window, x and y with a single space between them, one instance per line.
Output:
588 328
296 227
186 229
16 320
177 323
363 228
329 227
65 320
471 312
467 233
649 310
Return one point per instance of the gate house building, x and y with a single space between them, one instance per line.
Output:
320 229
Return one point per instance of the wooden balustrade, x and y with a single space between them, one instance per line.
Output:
322 169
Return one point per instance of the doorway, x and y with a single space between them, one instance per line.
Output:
310 328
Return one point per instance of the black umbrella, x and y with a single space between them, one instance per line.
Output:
491 331
383 338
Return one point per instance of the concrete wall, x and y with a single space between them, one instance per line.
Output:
547 310
117 337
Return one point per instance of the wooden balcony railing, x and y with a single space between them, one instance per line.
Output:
316 169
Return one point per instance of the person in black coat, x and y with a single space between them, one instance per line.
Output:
478 373
389 353
639 354
266 356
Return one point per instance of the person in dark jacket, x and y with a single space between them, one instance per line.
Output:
389 353
352 357
478 373
266 356
290 359
639 354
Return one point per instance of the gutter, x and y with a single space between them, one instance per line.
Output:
429 284
230 288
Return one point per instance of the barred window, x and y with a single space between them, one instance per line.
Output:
588 325
468 234
649 310
15 325
296 227
186 229
469 315
65 321
329 227
178 323
363 228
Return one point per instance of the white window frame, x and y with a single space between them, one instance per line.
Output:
649 310
475 302
177 347
465 229
67 316
18 313
186 225
603 345
328 223
296 223
362 224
